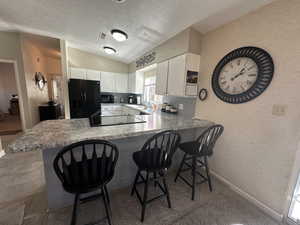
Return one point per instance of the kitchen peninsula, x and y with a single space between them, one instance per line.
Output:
51 136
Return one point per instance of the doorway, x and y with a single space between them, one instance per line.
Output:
10 116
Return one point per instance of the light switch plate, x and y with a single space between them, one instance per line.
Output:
279 110
180 106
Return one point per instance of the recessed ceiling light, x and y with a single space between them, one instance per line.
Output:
119 35
109 50
119 1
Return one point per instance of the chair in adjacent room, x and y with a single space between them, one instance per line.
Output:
195 156
155 158
85 167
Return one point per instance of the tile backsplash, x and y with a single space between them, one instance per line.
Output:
120 97
189 105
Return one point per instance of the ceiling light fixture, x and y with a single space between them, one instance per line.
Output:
119 35
119 1
109 50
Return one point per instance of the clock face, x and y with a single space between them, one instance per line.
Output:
238 76
242 75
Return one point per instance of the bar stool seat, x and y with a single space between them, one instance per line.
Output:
148 160
87 185
191 148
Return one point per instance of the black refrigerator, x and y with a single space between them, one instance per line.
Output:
84 97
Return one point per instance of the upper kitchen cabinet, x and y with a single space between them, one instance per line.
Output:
162 78
93 75
77 73
121 82
136 83
107 83
114 82
84 74
178 76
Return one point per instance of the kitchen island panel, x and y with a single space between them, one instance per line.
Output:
125 168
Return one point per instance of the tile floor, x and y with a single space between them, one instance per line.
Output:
23 202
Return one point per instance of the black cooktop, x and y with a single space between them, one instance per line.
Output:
98 120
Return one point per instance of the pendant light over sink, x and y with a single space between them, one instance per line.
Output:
119 35
109 50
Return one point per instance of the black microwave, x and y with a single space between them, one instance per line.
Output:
105 98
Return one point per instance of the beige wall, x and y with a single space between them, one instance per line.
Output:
8 85
78 58
34 61
186 41
257 150
10 49
53 66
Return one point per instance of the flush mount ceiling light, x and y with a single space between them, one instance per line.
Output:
119 1
119 35
109 50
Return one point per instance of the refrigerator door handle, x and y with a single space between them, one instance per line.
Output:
84 94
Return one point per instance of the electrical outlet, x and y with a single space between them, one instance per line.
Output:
180 106
279 110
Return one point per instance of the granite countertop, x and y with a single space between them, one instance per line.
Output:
58 133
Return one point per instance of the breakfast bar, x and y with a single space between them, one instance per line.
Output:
51 136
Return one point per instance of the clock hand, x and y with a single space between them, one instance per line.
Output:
239 74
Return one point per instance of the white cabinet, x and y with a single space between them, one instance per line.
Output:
114 82
121 82
136 83
107 82
192 62
77 73
131 82
162 78
176 76
139 83
93 75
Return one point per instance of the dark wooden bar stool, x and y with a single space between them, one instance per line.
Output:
197 152
155 158
85 167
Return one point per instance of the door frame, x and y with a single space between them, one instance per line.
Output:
20 94
291 187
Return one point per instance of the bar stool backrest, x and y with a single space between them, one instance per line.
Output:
160 149
86 164
208 139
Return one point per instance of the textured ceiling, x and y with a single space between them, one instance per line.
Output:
147 22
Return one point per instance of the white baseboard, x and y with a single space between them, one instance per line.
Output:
2 153
271 212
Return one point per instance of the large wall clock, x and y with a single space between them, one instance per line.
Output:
242 75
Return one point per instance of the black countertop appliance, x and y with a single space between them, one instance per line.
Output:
84 97
132 99
107 98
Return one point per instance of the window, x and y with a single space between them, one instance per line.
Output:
149 89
